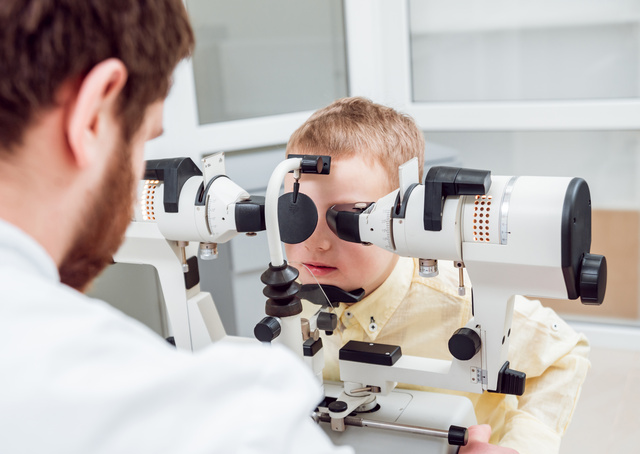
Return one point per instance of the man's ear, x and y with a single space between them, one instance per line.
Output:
94 109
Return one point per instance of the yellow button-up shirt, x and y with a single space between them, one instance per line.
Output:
421 314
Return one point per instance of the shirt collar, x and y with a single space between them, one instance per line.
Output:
21 250
374 311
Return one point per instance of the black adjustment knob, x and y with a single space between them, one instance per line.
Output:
464 344
327 321
318 164
593 279
311 164
282 292
281 289
279 275
458 436
338 406
267 329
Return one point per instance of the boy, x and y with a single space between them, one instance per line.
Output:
367 143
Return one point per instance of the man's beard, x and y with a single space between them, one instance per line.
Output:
105 222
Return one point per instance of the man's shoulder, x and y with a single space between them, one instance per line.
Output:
47 314
23 292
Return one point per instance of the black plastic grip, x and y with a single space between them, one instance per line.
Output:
319 164
250 215
370 353
458 436
344 221
442 181
174 173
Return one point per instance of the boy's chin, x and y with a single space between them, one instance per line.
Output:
341 285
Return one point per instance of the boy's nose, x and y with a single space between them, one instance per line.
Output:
321 240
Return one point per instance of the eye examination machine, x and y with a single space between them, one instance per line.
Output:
510 235
182 213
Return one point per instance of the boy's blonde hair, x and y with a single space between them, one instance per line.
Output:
358 126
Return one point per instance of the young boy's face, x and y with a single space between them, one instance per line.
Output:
333 261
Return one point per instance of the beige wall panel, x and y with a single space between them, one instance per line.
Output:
615 234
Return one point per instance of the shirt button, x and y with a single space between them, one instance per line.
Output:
373 327
348 314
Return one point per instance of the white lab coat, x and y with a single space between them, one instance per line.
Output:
77 376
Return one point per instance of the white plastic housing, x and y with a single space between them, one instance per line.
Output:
212 222
510 241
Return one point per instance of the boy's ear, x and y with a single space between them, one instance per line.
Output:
93 112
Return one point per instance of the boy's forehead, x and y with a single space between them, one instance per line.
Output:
353 179
362 158
350 178
362 168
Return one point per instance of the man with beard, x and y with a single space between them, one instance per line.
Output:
82 84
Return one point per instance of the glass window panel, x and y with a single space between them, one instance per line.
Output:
255 58
524 51
609 162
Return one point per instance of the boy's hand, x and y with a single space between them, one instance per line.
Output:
479 442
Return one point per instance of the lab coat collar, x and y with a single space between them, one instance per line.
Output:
374 311
17 249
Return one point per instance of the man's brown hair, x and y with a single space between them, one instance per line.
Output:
358 126
44 43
